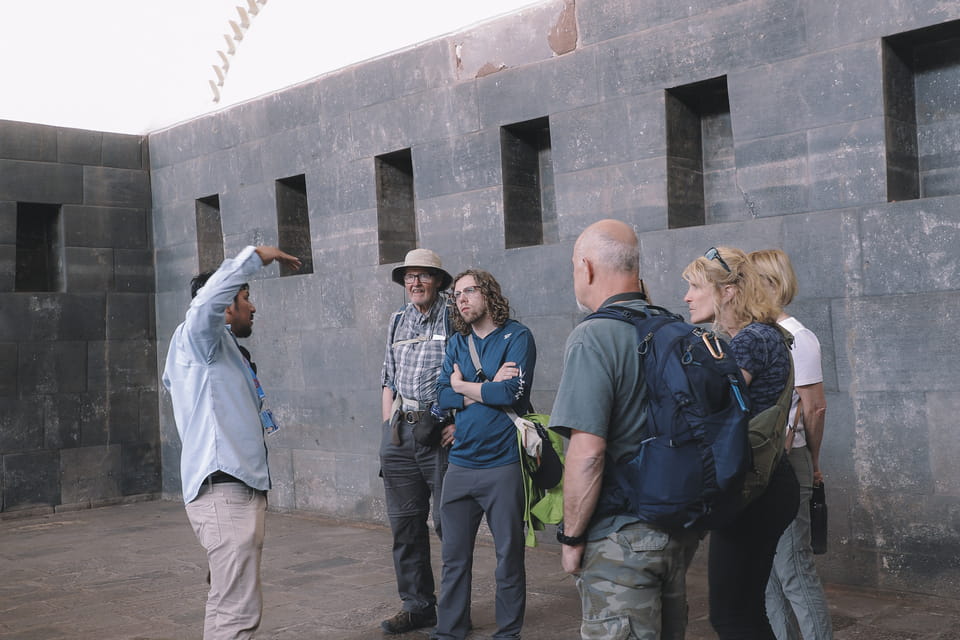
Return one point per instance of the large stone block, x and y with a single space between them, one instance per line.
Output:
150 414
942 409
41 182
21 424
123 151
807 92
52 367
140 468
95 418
88 269
176 266
8 374
292 108
288 153
847 164
928 223
414 119
461 226
121 364
61 421
77 146
610 132
124 416
454 165
116 187
773 174
8 268
104 227
829 24
632 191
133 271
128 316
882 358
90 474
747 35
534 91
607 19
8 223
24 141
550 333
825 250
44 317
339 90
31 479
424 67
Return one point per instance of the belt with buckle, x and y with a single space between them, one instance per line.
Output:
412 417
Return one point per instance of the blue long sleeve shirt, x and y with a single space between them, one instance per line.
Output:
485 437
215 402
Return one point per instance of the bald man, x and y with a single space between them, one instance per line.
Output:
632 577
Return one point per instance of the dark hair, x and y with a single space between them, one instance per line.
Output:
197 282
497 306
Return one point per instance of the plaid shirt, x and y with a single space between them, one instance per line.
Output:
412 369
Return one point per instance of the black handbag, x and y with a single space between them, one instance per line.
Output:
818 520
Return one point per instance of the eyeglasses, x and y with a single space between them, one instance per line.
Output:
469 291
713 254
410 278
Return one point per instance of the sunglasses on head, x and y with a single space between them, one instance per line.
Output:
713 254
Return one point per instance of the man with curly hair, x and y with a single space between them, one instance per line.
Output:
484 475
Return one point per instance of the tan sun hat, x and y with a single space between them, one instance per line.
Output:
426 259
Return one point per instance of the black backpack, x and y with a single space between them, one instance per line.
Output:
689 471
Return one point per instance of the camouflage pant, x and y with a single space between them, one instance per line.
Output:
633 584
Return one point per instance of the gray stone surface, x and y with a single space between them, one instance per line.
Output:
83 573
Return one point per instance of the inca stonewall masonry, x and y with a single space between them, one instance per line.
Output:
830 129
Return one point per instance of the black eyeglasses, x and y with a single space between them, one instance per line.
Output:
410 278
713 254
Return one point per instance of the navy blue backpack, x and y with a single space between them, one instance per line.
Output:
689 471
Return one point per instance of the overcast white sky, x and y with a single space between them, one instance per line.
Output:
134 66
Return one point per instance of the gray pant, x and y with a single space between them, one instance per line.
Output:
412 473
468 494
794 587
228 519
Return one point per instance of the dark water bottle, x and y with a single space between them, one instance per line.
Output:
818 520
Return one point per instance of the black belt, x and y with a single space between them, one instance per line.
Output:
219 476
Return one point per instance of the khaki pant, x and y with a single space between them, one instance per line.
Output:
228 519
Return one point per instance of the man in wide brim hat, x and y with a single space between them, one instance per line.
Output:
425 259
413 441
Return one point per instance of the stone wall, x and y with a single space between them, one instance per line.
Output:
831 129
78 384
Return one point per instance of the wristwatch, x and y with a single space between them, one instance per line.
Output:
571 541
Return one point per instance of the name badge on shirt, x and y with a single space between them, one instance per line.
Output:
437 336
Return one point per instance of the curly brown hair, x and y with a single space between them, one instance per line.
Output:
497 305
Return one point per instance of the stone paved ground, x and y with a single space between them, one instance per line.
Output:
135 571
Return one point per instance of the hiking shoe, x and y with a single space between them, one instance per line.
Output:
408 621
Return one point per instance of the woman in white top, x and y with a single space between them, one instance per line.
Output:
794 584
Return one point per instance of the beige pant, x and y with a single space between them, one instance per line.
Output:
228 519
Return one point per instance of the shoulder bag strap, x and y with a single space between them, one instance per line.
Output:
475 357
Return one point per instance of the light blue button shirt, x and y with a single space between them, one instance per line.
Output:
215 402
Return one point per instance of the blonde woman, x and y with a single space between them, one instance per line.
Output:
725 289
794 583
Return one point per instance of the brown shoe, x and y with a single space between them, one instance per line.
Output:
408 621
